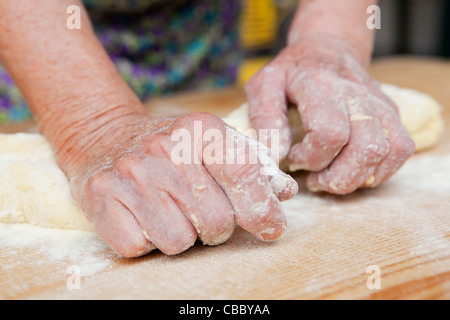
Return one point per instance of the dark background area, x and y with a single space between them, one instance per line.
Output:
414 27
419 27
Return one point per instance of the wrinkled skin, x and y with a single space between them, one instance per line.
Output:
354 134
137 198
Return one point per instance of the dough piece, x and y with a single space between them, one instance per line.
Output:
34 190
32 187
419 113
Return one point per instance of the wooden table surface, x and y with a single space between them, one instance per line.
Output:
401 229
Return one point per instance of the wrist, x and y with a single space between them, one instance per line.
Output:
77 138
345 20
334 46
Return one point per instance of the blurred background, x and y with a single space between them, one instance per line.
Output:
417 27
162 47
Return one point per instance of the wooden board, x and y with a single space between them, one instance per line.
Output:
402 228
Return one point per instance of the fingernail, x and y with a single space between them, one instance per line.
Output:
271 233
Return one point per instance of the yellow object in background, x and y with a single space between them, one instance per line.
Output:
259 27
259 24
260 30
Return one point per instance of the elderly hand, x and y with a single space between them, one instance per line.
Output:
139 197
354 137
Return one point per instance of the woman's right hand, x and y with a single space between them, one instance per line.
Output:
139 198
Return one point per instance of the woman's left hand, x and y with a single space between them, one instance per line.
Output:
354 136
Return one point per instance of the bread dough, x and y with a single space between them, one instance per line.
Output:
32 187
34 190
419 113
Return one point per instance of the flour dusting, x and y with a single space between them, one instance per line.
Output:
425 173
83 249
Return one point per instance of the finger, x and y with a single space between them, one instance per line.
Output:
204 204
121 231
161 220
164 224
268 106
105 202
238 173
401 148
256 207
357 162
197 194
282 184
325 121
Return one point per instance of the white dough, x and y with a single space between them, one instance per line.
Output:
32 187
34 190
420 114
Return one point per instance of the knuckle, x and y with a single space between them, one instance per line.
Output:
335 136
207 120
158 142
345 187
376 150
127 165
99 182
342 189
203 116
340 183
404 146
339 136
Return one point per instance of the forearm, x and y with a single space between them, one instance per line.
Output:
67 79
342 19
